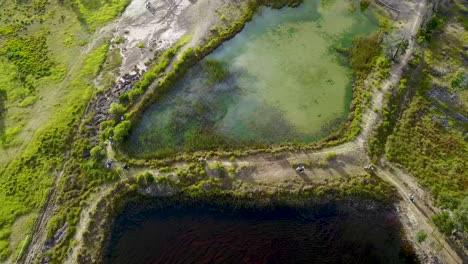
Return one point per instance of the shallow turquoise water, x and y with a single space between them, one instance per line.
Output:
284 82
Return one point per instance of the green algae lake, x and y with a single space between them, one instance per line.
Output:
280 80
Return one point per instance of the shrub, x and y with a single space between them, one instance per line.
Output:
98 153
217 165
364 4
149 177
117 109
421 236
141 180
140 45
119 40
330 156
121 130
460 80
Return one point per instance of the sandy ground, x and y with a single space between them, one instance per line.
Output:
157 27
160 24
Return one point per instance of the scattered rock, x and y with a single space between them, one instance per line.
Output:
59 235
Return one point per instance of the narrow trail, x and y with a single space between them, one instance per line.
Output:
420 211
39 233
85 218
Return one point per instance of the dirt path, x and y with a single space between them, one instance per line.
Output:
40 230
84 222
416 215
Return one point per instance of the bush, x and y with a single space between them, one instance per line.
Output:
149 178
421 236
117 109
460 80
119 40
364 4
121 130
330 156
98 153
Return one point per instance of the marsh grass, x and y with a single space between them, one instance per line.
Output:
216 70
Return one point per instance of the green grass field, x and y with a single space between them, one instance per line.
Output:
45 84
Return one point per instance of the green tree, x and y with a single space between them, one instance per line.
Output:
121 130
116 109
98 152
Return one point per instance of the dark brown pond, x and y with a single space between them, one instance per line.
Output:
331 233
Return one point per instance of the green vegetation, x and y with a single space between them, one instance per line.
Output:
121 130
432 153
25 181
29 54
421 128
98 153
390 112
435 23
40 42
118 40
364 4
117 109
140 45
216 70
460 13
96 13
421 236
110 69
364 53
330 156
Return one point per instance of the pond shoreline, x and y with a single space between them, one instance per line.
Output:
139 206
164 192
259 88
344 132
